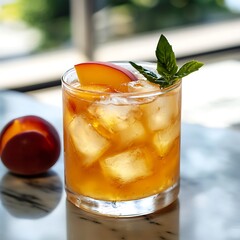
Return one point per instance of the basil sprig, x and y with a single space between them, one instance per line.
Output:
167 66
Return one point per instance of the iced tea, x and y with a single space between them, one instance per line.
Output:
121 147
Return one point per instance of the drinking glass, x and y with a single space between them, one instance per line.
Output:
121 150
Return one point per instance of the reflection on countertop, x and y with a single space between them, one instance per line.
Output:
86 226
31 197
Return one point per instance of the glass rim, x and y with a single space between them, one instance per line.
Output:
118 94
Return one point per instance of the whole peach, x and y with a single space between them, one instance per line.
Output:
29 145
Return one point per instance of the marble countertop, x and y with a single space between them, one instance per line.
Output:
207 207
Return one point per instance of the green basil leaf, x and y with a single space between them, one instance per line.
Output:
166 65
188 68
149 75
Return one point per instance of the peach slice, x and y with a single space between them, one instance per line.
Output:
29 145
97 88
103 73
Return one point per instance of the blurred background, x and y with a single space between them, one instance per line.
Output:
40 40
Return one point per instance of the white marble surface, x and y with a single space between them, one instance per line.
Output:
207 208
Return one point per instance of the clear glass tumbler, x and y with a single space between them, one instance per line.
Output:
121 150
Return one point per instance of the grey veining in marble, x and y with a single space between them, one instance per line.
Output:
207 208
163 225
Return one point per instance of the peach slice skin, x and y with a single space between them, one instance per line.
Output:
104 73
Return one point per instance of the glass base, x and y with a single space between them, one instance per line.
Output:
131 208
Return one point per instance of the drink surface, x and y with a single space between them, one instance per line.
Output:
119 147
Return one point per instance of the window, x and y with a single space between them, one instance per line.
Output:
40 41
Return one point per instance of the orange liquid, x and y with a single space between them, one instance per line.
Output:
131 156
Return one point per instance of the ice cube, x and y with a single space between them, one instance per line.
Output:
134 133
128 166
69 108
87 141
115 117
142 86
162 111
164 139
68 116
